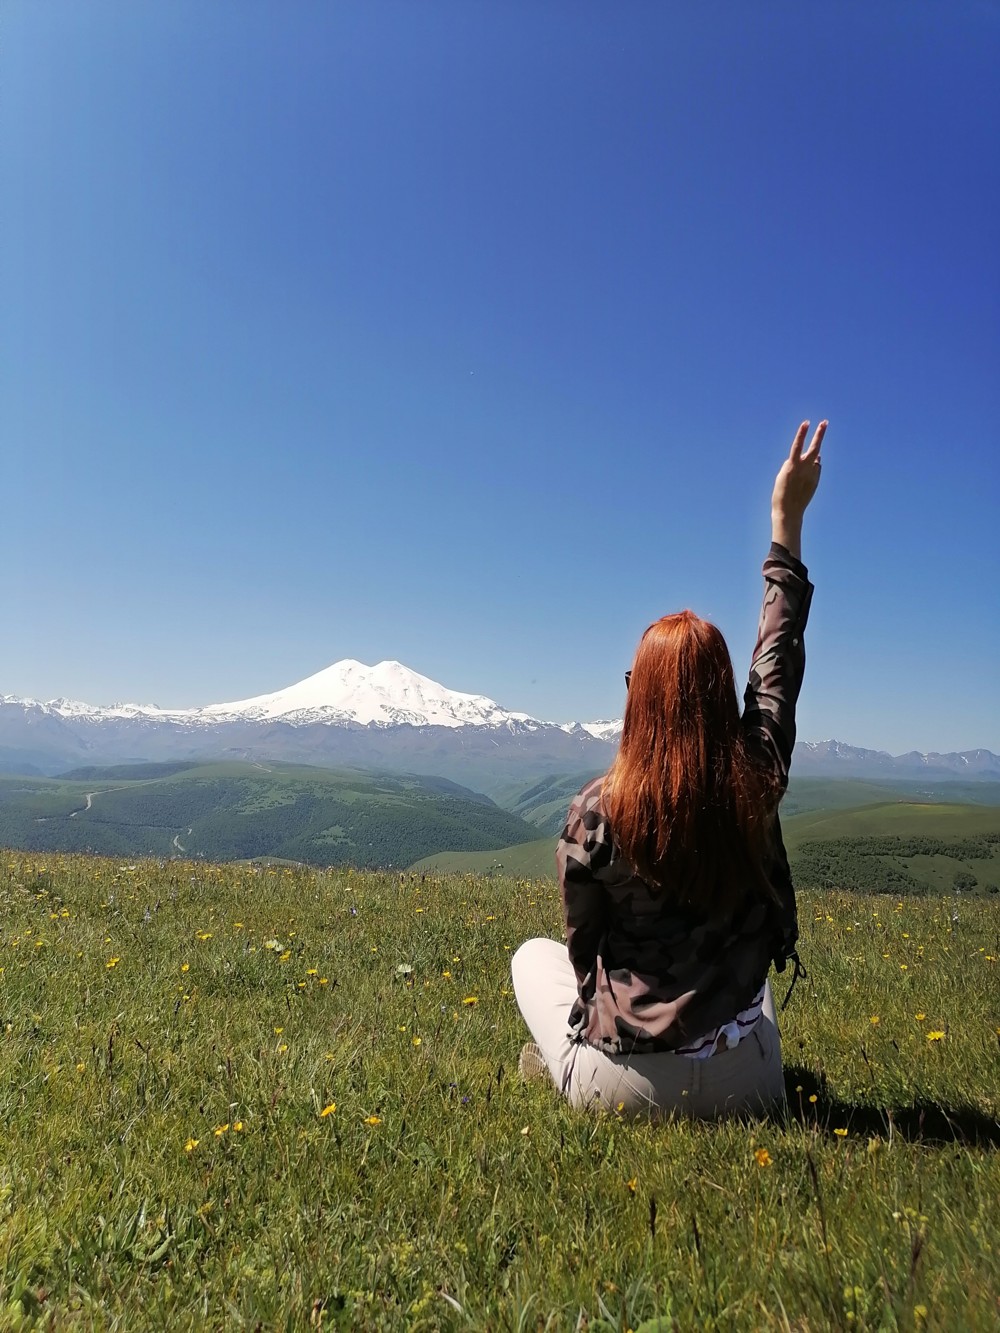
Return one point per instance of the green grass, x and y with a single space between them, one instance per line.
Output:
531 860
172 1034
903 818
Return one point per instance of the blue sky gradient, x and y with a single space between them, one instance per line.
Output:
472 335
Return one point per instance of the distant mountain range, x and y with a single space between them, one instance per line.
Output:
834 759
387 717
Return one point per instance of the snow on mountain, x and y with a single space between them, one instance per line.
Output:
74 708
836 759
604 729
388 694
383 699
838 751
385 695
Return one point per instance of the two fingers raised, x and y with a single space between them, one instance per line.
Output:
812 453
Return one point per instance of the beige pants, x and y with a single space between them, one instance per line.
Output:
746 1078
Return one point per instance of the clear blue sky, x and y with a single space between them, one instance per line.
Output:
471 334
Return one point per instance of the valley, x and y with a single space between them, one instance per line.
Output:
240 811
871 836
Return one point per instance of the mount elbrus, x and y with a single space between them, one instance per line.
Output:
385 716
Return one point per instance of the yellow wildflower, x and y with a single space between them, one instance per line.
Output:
191 1145
471 999
221 1129
416 1041
935 1036
762 1157
112 962
920 1017
328 1110
373 1120
631 1184
840 1133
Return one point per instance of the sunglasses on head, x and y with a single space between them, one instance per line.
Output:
628 677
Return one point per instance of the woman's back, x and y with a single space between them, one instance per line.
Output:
676 891
658 964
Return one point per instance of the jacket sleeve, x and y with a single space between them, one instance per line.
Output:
583 848
779 661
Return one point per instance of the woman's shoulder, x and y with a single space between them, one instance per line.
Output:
588 800
586 839
586 816
591 791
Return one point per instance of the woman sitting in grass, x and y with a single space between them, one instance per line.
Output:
675 885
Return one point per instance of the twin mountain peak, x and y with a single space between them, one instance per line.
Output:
384 714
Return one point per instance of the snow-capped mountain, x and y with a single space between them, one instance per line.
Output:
386 695
380 716
604 729
835 759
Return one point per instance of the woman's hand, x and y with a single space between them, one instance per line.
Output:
794 486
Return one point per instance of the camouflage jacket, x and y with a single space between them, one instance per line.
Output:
652 975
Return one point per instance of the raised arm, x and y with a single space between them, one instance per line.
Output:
794 486
779 657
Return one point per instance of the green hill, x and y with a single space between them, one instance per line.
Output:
903 818
837 833
236 811
526 860
902 847
892 847
543 802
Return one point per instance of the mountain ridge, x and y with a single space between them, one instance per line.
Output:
384 715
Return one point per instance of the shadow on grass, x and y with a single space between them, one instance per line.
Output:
923 1122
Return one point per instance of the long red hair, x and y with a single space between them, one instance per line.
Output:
689 807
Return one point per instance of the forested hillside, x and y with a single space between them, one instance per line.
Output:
888 848
229 812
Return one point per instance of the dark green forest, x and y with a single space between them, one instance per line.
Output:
236 812
886 864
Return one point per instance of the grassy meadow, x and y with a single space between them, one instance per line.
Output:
281 1098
